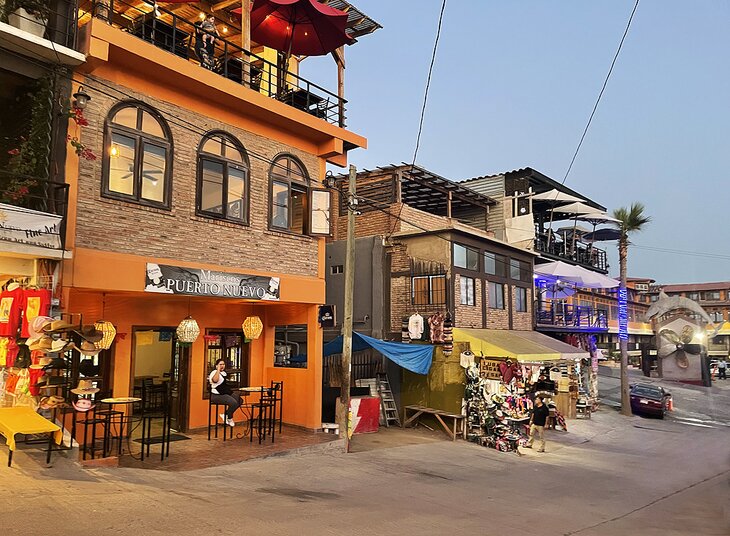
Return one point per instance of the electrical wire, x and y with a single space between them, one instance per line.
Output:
600 94
682 252
425 97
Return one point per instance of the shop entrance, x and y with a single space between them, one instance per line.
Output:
160 359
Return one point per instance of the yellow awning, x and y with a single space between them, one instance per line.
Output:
524 346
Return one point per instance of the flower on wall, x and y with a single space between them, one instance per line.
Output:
80 149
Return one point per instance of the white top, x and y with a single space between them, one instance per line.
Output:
415 326
213 384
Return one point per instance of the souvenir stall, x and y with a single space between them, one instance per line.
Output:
586 368
502 381
51 372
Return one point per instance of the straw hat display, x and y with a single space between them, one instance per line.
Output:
85 387
51 402
88 348
43 362
37 325
58 326
90 333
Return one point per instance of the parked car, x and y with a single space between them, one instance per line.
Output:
648 399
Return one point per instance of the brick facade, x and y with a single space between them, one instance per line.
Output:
111 225
468 316
522 321
497 318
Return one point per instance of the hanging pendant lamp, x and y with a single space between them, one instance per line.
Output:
188 330
252 327
106 328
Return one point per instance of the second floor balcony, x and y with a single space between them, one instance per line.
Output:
560 316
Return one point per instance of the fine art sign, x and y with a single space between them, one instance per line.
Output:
165 279
30 227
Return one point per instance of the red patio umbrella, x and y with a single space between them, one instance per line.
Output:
302 27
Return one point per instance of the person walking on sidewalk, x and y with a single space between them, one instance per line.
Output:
539 417
722 369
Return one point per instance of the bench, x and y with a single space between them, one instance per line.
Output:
418 411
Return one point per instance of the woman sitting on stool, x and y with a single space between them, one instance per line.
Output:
221 392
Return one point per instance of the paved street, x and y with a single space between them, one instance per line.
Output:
609 475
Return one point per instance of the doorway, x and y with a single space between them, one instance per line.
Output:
159 358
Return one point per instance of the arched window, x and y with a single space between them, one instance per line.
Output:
222 178
137 155
296 207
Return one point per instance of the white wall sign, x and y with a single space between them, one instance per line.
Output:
25 226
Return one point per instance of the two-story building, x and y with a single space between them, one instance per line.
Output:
205 202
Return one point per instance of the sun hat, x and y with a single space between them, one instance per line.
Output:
88 348
43 362
40 343
58 345
58 326
83 404
50 402
90 333
85 387
37 325
56 363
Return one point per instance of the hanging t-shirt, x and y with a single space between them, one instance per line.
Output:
415 327
36 302
11 303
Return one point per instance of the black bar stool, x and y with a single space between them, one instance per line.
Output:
156 405
214 423
278 389
263 416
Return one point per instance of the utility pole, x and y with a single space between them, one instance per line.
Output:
349 297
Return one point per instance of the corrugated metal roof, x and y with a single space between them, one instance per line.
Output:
358 23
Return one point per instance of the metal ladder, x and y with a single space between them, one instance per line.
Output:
387 402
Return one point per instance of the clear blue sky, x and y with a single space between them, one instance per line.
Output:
513 86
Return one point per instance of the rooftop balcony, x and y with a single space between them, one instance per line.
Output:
174 30
585 255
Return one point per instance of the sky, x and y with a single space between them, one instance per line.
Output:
514 83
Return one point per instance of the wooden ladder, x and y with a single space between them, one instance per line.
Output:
387 402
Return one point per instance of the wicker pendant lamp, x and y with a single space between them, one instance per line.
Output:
106 328
252 327
188 330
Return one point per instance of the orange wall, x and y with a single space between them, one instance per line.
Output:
302 387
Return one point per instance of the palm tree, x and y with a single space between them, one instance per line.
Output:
631 220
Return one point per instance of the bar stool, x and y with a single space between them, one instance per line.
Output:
263 415
91 420
214 423
155 405
111 415
278 388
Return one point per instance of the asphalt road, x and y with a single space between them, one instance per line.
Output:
693 405
610 475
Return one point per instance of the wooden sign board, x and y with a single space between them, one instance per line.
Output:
489 368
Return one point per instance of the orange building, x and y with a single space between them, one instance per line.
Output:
205 200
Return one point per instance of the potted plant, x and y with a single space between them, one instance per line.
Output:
29 15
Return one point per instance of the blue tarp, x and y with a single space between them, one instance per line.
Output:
414 357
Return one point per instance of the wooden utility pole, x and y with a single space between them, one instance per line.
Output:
347 322
246 41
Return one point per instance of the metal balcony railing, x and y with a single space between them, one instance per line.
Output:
37 194
582 254
61 26
170 32
559 314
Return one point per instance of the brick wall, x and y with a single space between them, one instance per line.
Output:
417 220
111 225
468 316
522 321
400 303
498 318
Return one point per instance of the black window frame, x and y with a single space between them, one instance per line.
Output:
227 163
500 264
431 300
292 183
467 250
473 291
490 294
523 270
518 291
140 139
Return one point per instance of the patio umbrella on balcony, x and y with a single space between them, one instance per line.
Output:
577 275
595 218
302 27
556 196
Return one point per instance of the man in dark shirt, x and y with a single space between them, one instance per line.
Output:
539 417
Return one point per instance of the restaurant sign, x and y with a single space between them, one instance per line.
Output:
164 279
25 226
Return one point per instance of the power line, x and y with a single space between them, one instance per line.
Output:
425 95
598 100
682 252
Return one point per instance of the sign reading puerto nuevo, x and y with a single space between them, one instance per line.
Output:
164 279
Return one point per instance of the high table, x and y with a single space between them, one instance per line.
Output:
124 418
23 420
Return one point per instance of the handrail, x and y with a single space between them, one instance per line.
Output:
557 313
167 30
